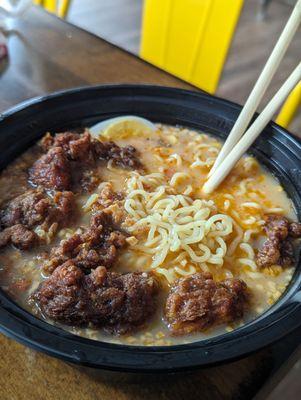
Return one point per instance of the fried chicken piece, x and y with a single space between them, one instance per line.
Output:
198 302
119 303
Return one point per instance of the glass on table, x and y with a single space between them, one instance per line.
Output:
13 8
10 9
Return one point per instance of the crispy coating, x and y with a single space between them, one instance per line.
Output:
77 147
278 248
124 157
276 226
19 217
52 170
97 245
198 302
119 303
29 209
18 235
71 157
295 230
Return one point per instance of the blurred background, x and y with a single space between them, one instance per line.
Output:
219 46
219 49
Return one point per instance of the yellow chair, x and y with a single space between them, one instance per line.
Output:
290 107
191 38
58 7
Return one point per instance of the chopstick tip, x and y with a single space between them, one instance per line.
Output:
206 189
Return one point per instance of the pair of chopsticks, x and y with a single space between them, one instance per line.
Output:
239 140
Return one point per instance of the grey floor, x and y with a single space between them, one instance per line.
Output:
118 21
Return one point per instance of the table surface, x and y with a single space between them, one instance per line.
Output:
47 54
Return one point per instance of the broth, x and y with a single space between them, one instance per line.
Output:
180 159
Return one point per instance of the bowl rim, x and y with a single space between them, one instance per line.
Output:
26 328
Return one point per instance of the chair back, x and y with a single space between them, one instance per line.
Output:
189 38
58 7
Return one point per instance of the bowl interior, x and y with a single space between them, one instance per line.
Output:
276 149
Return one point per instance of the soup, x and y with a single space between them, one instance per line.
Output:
115 241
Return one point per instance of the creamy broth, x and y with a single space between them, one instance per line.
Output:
180 159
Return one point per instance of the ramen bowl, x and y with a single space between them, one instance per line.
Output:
276 149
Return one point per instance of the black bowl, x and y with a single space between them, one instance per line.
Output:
281 153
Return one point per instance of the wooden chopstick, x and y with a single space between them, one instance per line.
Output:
253 132
261 85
